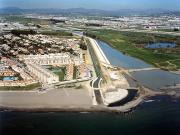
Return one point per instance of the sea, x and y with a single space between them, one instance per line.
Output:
158 115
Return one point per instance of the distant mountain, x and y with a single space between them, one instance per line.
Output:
10 10
90 12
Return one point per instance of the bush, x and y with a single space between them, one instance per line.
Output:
57 33
23 32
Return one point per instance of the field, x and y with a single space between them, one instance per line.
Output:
25 21
60 71
132 43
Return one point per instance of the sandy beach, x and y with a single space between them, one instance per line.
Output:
61 100
57 98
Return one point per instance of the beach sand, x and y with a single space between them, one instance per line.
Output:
57 98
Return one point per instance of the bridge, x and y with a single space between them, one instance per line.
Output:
129 70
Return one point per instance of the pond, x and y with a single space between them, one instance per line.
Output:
161 45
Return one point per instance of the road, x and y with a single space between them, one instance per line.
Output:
96 83
149 31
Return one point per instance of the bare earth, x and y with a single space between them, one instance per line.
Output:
57 98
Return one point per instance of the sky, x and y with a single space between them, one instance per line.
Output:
94 4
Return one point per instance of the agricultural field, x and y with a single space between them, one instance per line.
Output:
133 44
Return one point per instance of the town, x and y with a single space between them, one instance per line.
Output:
51 59
89 67
68 57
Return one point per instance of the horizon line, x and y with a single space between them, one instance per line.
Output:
91 8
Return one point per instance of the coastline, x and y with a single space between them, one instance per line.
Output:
128 107
56 101
66 109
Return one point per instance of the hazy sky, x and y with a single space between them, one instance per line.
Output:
97 4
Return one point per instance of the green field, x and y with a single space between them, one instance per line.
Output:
60 71
132 43
24 20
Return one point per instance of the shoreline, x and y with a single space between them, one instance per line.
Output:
79 107
74 109
49 105
60 110
128 107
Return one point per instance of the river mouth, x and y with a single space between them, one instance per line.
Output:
156 79
131 95
153 79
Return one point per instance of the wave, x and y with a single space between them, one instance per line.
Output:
149 101
84 112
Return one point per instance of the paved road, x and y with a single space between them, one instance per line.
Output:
98 97
97 91
96 83
149 31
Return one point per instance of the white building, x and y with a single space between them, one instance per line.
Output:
34 63
52 59
43 74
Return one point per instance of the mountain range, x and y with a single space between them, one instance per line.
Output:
88 12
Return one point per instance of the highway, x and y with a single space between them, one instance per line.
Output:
149 31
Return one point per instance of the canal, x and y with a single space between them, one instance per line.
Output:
154 79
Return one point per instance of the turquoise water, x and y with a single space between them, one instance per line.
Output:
9 78
161 45
156 116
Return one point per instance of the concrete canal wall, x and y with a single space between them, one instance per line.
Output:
100 54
